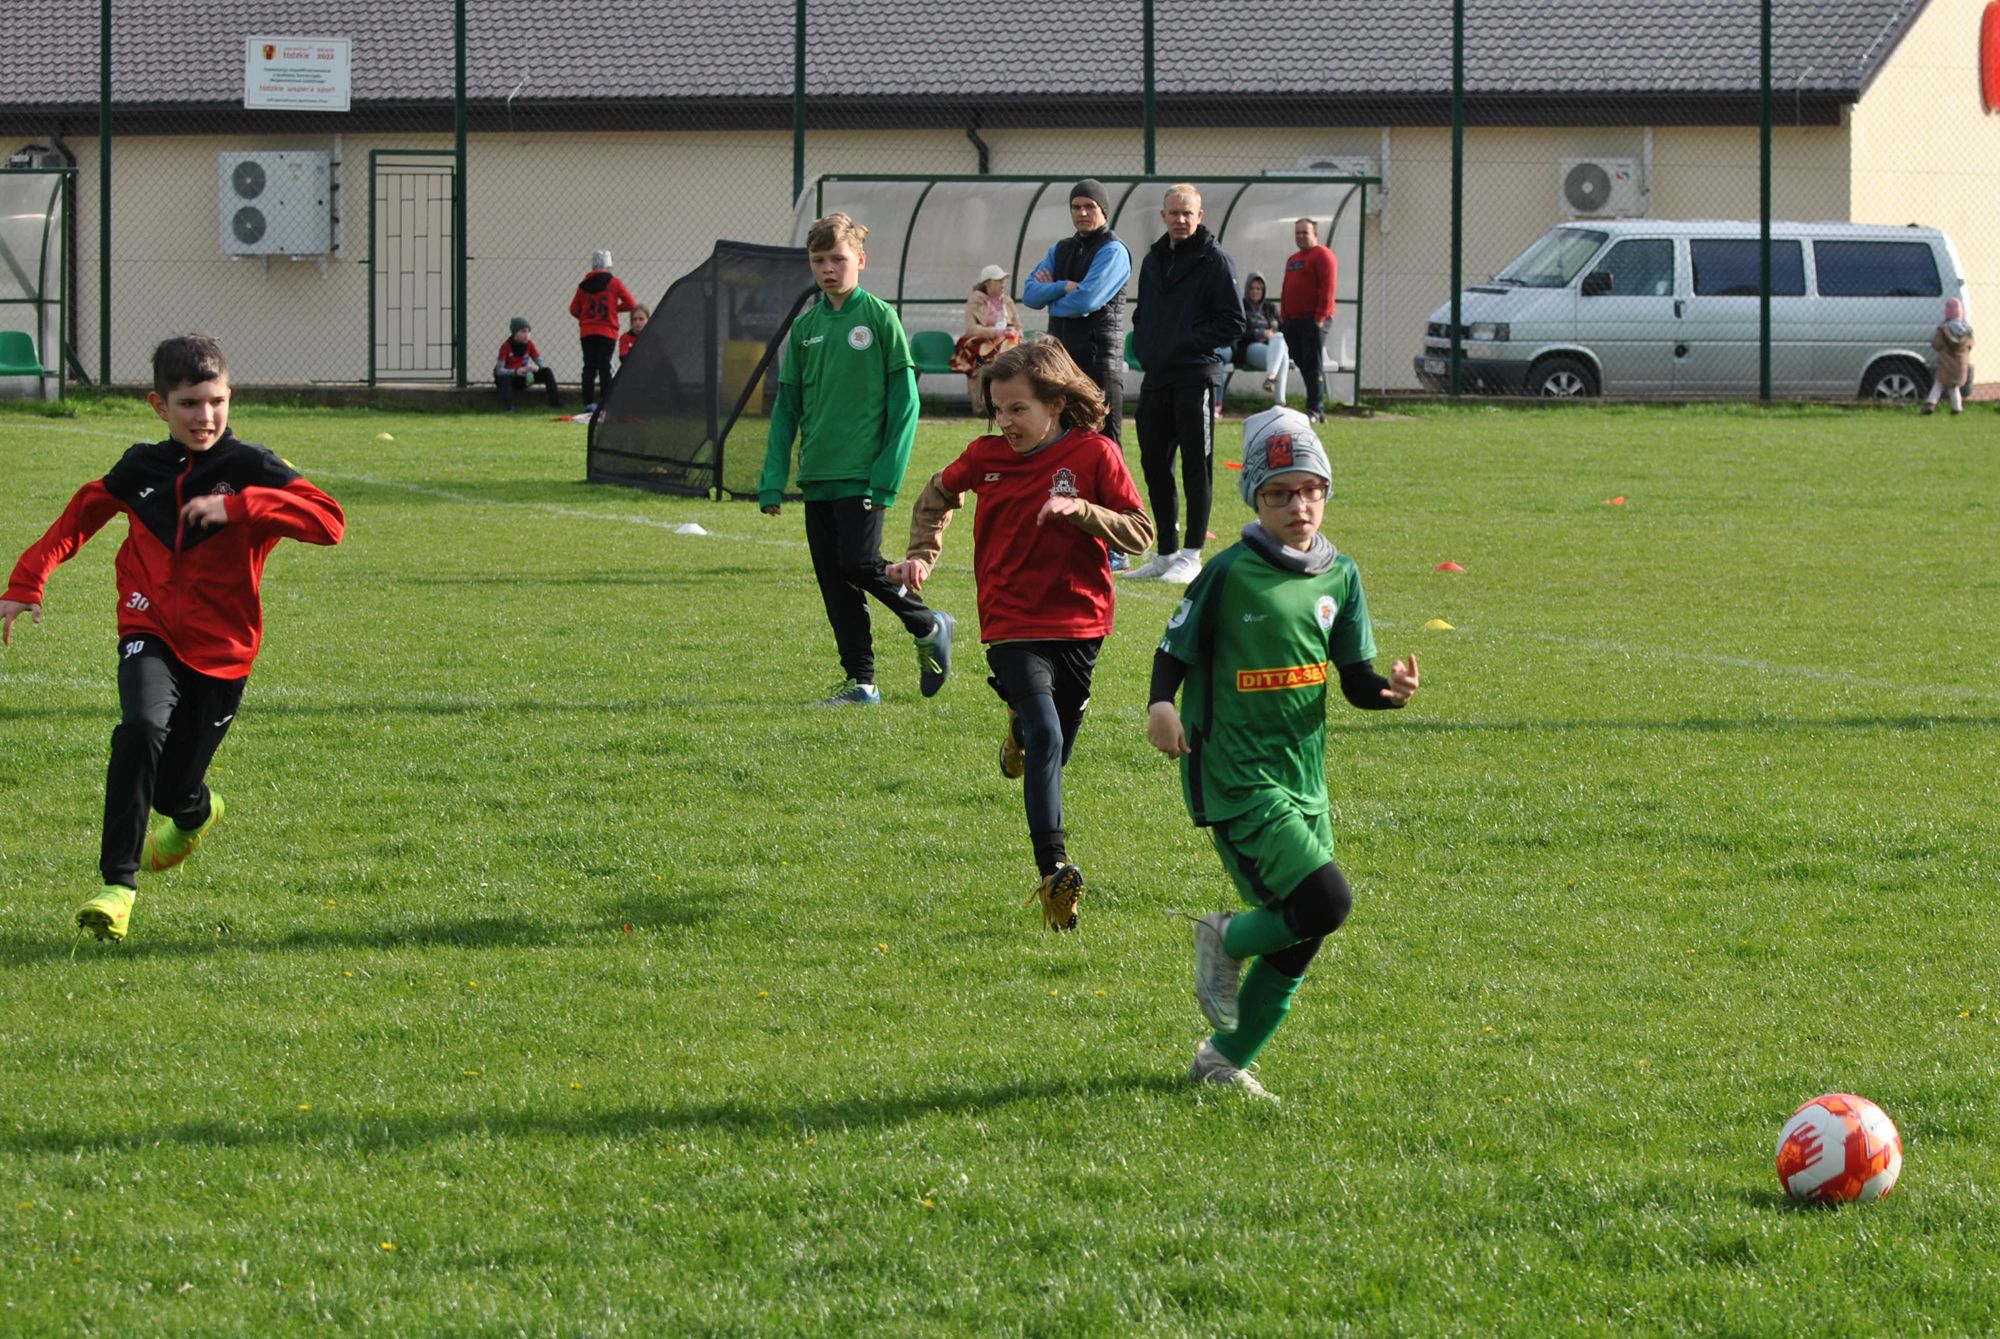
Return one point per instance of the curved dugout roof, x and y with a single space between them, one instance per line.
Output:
928 237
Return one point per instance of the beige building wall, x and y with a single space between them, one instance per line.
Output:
1927 151
539 204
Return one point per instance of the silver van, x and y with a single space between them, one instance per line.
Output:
1647 307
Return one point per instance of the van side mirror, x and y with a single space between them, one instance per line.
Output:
1597 283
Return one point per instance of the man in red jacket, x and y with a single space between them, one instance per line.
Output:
203 510
600 303
1311 276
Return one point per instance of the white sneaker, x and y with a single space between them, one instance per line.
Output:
1149 570
1183 567
1215 972
1211 1066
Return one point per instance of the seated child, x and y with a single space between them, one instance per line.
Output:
519 363
1053 493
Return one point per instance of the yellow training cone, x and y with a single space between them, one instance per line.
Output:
384 437
1437 625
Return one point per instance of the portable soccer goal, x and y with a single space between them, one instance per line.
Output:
706 362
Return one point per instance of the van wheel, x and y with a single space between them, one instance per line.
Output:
1896 380
1562 379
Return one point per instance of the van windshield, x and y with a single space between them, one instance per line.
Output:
1553 260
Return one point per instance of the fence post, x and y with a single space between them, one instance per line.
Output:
104 192
798 100
458 297
1151 109
1764 209
1456 349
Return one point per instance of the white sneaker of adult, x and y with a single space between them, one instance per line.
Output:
1211 1066
1149 570
1183 567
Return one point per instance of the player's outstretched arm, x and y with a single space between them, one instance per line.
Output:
11 610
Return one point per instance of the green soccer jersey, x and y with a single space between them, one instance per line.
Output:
838 364
1260 642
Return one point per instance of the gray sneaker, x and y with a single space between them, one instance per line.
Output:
1215 972
1211 1066
849 693
1150 569
934 655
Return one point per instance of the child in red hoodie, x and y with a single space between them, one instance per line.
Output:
600 301
204 508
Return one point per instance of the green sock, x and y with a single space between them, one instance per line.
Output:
1262 1002
1252 934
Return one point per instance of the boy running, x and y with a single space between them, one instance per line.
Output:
203 509
1053 492
849 391
1251 642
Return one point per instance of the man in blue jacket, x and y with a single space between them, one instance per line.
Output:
1190 315
1081 281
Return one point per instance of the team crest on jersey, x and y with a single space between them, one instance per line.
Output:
1180 614
1278 452
1064 484
222 489
1324 611
860 337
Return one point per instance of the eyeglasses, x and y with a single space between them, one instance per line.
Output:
1282 497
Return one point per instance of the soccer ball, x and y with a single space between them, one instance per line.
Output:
1839 1147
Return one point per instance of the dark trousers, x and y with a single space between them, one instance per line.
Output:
1302 341
1178 419
597 351
173 721
844 537
1103 361
507 383
1047 683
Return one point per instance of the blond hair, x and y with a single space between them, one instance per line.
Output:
1186 188
1059 383
829 232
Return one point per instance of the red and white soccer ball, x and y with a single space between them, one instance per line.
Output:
1839 1147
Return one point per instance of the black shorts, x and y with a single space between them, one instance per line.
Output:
1059 668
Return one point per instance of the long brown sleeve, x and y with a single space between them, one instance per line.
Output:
928 519
1126 531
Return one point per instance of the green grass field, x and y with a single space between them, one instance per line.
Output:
554 972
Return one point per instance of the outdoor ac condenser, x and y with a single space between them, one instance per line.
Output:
274 203
1600 187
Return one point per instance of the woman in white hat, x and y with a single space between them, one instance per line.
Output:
991 328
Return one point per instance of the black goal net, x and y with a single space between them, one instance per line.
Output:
706 361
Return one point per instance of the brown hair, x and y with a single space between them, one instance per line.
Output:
187 360
832 230
1054 375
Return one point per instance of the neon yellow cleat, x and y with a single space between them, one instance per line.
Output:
175 843
107 914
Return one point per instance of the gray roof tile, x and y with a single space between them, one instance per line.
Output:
186 51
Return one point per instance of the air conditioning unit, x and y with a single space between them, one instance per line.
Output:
274 203
1600 187
1349 165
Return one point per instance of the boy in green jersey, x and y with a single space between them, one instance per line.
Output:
849 390
1248 651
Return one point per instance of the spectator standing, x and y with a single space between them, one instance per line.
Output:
1081 283
1312 276
1189 317
601 301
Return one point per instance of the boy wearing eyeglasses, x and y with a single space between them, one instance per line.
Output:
1248 652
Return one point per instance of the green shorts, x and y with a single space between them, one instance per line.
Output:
1272 849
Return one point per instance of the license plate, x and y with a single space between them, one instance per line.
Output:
1434 366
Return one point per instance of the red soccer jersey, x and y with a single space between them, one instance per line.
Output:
1311 276
625 343
196 589
600 299
513 356
1048 581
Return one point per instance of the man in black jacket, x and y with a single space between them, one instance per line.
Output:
1190 313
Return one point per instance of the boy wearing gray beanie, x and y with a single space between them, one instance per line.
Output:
1248 652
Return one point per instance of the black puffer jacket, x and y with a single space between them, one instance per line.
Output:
1190 314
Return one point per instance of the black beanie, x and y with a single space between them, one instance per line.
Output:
1093 188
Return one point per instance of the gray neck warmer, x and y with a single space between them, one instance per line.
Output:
1315 561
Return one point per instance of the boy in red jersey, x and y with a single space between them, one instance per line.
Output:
203 508
1053 493
601 299
519 363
